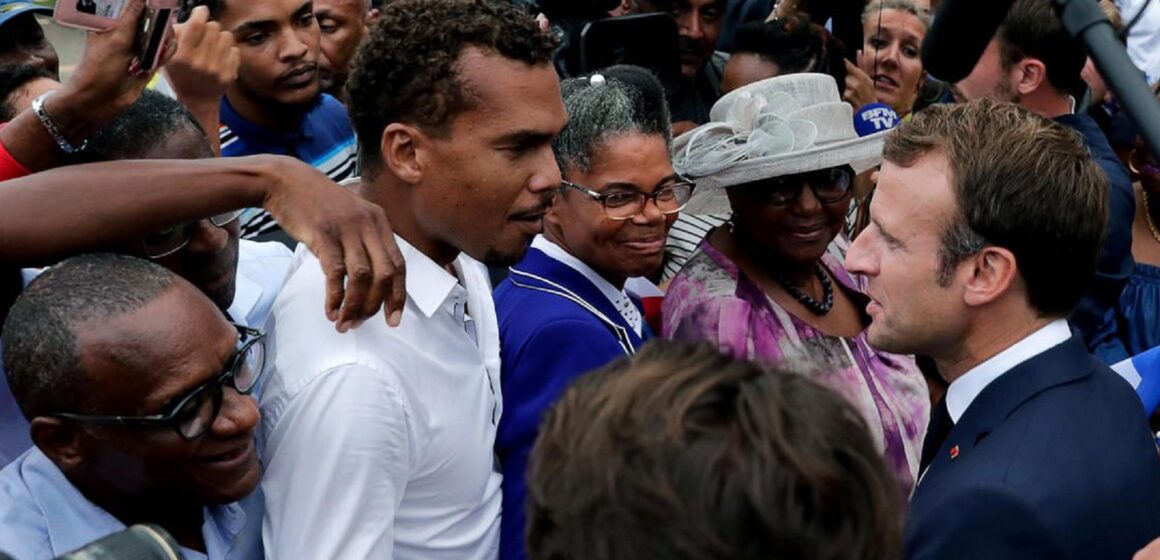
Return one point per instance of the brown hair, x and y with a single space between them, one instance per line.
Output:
684 453
1021 182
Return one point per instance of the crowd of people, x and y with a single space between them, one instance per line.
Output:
358 279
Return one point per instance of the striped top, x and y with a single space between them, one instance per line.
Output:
685 236
325 140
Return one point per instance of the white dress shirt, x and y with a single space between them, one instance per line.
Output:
963 390
619 298
262 268
377 443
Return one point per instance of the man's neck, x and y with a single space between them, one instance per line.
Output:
984 341
182 521
395 203
268 115
1048 103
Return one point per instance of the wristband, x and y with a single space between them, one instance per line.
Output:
42 115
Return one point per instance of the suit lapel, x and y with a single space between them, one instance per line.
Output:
1065 363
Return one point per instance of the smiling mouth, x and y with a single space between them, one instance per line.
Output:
231 455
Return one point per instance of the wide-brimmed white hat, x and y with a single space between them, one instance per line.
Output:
781 126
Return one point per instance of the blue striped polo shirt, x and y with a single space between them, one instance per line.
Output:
325 140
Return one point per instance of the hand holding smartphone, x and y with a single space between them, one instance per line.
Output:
101 15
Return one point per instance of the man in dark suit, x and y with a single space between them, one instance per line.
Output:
985 230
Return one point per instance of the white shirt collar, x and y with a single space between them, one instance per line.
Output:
963 390
246 296
428 284
618 298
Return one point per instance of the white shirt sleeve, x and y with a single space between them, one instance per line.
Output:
336 464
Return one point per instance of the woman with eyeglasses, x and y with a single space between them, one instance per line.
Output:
563 310
781 154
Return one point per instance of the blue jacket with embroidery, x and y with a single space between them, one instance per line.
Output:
554 325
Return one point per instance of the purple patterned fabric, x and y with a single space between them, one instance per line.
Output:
710 299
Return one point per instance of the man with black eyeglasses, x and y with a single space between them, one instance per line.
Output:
136 387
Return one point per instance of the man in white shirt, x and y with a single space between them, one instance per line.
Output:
378 443
985 228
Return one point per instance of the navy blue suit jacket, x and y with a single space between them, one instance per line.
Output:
1095 317
554 326
1053 459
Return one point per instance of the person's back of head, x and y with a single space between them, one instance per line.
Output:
791 45
17 83
149 128
1021 182
1032 29
682 452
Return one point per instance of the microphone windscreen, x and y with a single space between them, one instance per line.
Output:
959 35
874 118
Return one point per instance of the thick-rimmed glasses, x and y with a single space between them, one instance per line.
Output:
192 414
828 185
626 205
171 240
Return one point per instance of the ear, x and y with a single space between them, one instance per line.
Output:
1030 75
372 17
992 274
401 146
922 79
60 440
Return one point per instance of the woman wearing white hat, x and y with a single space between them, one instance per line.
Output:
781 154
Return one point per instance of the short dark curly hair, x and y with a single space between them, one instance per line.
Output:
406 71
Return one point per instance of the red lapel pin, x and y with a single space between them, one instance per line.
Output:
954 452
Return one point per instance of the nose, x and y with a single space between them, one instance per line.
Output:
888 54
208 239
806 202
293 46
858 256
690 25
649 215
239 414
546 178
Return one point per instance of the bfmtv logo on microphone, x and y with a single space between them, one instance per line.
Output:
874 118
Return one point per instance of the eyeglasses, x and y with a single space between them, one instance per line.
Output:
192 414
626 205
828 185
171 240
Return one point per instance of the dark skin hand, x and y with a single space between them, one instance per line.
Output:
99 90
54 214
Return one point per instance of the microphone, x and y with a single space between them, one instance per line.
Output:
959 35
873 118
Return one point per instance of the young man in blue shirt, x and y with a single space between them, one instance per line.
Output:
276 105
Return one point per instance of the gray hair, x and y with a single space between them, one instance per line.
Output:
907 6
620 100
41 358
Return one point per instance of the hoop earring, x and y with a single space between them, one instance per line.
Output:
1132 162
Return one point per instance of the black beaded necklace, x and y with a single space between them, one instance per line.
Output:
815 306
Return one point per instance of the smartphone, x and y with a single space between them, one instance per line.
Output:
101 15
647 40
